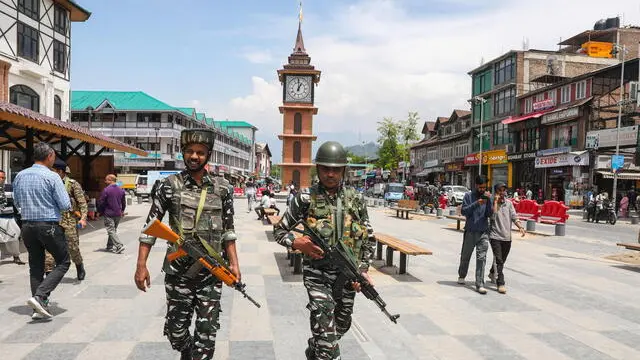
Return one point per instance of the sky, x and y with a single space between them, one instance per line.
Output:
379 58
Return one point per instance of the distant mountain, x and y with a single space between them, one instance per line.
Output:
369 150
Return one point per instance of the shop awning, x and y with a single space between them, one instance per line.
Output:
512 120
17 122
621 176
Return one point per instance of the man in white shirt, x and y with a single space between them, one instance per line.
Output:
264 204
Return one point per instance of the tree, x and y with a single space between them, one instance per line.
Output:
408 134
355 159
388 155
275 171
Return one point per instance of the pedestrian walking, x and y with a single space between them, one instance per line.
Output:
71 220
476 208
200 208
250 191
40 196
111 205
331 207
504 214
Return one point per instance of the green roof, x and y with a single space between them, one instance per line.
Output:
235 124
186 110
200 116
209 121
120 100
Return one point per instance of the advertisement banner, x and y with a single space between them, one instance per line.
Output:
607 138
570 159
456 166
491 157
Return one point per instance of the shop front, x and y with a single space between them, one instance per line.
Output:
455 173
565 174
524 174
494 165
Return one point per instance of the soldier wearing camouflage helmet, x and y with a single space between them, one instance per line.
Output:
339 214
70 220
200 208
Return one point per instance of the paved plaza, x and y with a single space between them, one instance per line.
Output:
564 301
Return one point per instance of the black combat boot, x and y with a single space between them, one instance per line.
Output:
185 354
81 272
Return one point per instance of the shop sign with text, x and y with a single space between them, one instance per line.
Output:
570 159
491 157
522 156
457 166
560 115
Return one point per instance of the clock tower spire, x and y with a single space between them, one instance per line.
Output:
298 78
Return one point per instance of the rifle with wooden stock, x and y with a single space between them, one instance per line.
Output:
215 264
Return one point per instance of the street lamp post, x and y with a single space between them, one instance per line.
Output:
481 101
158 146
622 48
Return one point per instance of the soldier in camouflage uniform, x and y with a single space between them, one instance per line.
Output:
200 208
338 213
70 220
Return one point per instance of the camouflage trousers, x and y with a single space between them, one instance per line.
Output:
331 306
184 296
73 243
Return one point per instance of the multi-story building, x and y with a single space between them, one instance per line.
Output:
263 160
35 54
141 120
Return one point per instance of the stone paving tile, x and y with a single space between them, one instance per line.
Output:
488 347
153 350
629 338
123 329
36 332
251 350
56 351
15 351
109 292
571 347
418 324
501 303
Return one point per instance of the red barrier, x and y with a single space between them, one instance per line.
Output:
553 212
528 210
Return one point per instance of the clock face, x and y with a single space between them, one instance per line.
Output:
298 88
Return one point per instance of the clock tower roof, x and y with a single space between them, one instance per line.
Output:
299 49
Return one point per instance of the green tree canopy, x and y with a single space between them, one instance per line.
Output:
395 139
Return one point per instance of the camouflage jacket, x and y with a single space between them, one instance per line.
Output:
3 197
318 207
179 196
70 219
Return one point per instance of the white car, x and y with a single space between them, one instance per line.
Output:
455 193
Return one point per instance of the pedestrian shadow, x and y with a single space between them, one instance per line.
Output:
269 235
461 231
468 285
68 280
628 267
286 270
26 310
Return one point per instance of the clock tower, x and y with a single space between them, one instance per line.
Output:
298 78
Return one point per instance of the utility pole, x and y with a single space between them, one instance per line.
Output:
623 48
480 100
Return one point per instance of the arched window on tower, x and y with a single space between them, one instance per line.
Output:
57 107
297 123
24 96
296 152
296 178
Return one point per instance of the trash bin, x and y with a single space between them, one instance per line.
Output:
439 212
560 229
531 225
634 219
129 200
139 199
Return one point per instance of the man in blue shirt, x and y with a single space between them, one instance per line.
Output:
41 197
476 207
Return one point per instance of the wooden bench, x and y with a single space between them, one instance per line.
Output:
403 247
269 211
458 218
404 207
273 219
295 260
630 246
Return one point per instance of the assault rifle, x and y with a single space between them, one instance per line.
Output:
342 257
5 232
217 267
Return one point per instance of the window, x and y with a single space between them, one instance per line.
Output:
528 105
501 134
565 135
581 90
297 123
504 102
31 8
57 107
24 96
28 42
148 117
539 97
565 95
482 82
529 139
458 126
505 71
296 152
296 178
60 20
59 56
551 94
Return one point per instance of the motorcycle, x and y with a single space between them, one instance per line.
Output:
607 213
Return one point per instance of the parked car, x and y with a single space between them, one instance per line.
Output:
455 193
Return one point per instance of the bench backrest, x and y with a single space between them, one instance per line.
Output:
409 204
554 209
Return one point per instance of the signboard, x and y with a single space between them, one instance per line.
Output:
560 115
430 163
457 166
617 162
522 156
607 138
559 150
570 159
492 157
543 105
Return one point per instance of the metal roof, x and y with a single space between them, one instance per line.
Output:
120 100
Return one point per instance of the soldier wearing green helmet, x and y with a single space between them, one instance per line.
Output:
200 208
338 213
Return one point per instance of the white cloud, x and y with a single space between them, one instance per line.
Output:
258 56
379 59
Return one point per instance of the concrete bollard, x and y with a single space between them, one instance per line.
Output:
531 225
560 229
439 212
129 200
139 199
634 219
452 212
